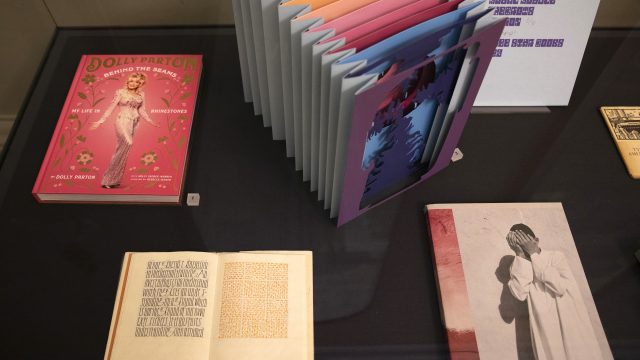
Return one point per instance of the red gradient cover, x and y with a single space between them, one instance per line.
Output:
454 299
123 133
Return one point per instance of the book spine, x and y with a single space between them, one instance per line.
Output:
454 297
185 158
59 125
115 318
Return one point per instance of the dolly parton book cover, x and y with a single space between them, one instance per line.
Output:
123 133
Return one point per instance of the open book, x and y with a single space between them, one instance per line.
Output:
197 305
624 125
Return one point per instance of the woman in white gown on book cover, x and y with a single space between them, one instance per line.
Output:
130 102
560 326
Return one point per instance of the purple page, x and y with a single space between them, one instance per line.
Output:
363 177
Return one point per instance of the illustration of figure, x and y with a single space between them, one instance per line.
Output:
560 325
130 102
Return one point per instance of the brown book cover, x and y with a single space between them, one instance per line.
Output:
624 124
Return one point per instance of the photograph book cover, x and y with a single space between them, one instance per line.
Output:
205 306
511 283
123 131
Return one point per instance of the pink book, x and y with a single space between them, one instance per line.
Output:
364 15
123 132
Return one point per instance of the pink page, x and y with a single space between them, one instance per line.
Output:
379 29
365 14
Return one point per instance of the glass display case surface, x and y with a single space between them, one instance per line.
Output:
375 294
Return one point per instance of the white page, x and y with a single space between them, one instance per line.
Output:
338 72
285 15
317 50
297 27
274 72
308 38
128 340
325 84
242 50
432 136
350 88
251 56
255 10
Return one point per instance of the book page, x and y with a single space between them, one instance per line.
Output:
624 125
163 307
255 12
327 59
263 307
274 72
242 50
147 168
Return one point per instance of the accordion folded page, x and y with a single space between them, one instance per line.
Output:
242 50
299 25
317 36
255 11
623 123
250 51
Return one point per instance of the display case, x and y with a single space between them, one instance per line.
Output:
375 293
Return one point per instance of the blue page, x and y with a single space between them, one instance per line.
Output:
404 139
422 117
413 53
